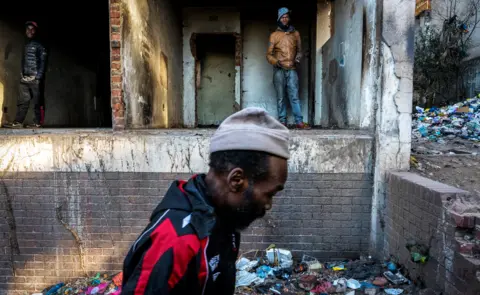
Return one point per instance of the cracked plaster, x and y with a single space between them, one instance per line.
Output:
393 118
177 152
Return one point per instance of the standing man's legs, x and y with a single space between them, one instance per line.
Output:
292 90
279 83
23 103
35 90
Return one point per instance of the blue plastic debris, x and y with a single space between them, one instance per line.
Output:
461 120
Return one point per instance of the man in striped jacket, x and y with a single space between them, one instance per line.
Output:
192 241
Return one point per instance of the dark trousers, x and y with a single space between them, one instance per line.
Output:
28 91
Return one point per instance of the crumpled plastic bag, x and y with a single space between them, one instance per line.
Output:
264 271
281 257
393 291
246 264
245 278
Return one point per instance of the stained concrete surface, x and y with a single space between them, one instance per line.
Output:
152 71
393 117
342 67
216 90
169 151
203 21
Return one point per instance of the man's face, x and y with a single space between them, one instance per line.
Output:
30 31
247 201
285 19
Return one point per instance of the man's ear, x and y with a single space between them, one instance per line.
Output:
237 181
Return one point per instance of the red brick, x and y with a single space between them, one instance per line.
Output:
116 92
116 100
116 86
115 51
116 66
115 36
463 221
117 79
114 14
115 57
115 8
115 21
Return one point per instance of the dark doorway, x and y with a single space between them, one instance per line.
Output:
215 78
77 80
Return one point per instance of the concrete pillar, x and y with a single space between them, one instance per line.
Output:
394 102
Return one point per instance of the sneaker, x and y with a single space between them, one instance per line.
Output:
15 125
34 125
303 126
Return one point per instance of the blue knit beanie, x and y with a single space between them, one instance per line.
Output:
282 11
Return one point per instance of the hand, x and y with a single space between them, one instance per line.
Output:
286 64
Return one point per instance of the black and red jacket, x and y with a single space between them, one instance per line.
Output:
185 249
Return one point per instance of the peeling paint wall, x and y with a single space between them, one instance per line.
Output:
216 88
70 88
342 68
152 65
210 21
180 151
257 80
393 117
324 31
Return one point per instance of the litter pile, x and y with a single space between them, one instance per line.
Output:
100 284
458 121
276 273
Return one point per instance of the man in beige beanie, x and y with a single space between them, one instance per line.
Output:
192 241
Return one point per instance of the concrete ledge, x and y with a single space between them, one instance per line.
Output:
427 183
171 150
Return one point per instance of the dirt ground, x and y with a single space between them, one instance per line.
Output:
456 163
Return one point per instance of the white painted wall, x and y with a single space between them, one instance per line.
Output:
197 20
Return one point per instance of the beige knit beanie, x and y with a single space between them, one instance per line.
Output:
251 129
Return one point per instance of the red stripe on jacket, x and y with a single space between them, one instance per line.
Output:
163 238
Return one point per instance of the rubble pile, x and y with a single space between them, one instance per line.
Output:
458 121
276 273
100 284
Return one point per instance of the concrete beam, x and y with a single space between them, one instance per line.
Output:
180 151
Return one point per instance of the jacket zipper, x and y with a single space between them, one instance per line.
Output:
206 265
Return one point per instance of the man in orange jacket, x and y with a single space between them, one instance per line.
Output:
284 52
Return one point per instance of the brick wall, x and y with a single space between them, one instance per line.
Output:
49 220
437 217
117 102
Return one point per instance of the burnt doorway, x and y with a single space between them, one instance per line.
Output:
215 75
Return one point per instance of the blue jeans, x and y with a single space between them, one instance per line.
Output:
287 80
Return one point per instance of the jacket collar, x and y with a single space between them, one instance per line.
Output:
287 30
191 196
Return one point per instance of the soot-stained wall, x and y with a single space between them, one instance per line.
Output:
77 85
342 67
152 64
